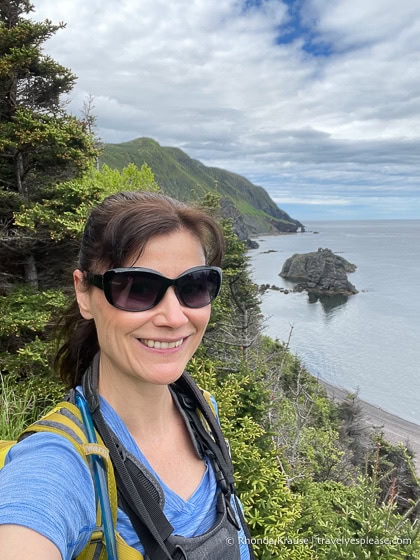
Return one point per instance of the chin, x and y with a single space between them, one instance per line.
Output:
165 377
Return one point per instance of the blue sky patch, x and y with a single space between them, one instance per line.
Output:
296 28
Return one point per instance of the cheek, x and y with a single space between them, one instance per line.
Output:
202 318
105 317
112 323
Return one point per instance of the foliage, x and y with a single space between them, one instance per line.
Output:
353 429
64 207
271 509
38 140
236 311
40 144
13 408
347 522
50 146
393 467
27 312
27 385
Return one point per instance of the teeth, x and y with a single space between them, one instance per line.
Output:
162 345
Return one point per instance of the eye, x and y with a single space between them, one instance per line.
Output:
142 288
194 287
121 282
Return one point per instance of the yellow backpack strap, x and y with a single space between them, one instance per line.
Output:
5 445
209 400
66 420
124 551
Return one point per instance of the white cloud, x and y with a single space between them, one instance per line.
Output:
359 22
211 78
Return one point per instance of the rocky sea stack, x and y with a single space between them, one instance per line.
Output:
321 273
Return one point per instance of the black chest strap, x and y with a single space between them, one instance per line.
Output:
144 512
137 495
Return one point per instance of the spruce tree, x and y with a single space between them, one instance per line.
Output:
40 144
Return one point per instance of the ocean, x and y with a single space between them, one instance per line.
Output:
368 343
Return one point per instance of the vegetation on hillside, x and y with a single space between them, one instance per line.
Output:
311 486
182 177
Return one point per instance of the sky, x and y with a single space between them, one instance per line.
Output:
317 101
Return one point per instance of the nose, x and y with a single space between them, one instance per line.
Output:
169 312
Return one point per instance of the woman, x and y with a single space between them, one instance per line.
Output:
148 271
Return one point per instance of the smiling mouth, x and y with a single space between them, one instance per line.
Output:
161 345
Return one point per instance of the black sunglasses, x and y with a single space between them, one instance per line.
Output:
140 289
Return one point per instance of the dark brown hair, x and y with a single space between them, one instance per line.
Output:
117 231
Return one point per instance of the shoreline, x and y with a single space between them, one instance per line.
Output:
395 429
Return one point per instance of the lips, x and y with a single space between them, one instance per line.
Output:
161 344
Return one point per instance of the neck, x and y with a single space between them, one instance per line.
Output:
145 408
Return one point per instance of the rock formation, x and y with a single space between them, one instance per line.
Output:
321 272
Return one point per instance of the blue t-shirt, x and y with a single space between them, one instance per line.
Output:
46 486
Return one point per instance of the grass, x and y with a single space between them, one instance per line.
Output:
18 409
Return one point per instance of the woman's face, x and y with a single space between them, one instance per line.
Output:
131 342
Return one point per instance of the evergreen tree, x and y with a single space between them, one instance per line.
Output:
40 144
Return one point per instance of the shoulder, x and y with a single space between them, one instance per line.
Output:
46 460
42 447
45 473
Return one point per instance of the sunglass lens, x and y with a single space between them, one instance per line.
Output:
198 288
134 292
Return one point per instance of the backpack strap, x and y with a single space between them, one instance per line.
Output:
66 420
141 506
194 398
144 512
5 446
218 454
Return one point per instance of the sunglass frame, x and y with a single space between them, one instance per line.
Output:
104 282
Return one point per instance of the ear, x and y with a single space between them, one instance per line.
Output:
82 294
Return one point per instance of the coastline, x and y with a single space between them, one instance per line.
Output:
395 429
359 318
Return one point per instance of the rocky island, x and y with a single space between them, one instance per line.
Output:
321 273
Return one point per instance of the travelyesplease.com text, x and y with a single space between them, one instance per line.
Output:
322 541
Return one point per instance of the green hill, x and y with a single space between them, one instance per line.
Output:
182 177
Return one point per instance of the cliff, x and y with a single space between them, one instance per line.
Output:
321 273
250 207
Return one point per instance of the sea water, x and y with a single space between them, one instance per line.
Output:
367 343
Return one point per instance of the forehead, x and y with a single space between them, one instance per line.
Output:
171 253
